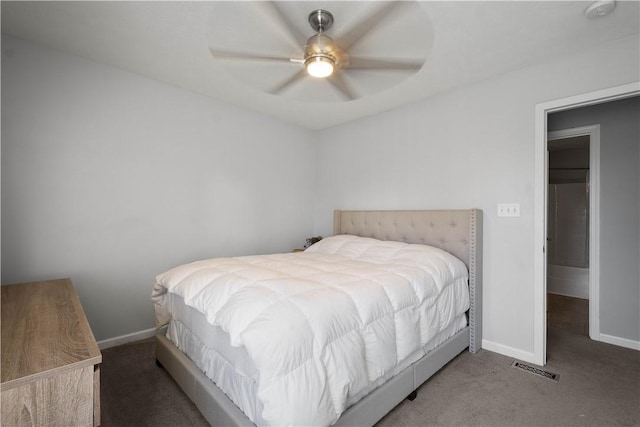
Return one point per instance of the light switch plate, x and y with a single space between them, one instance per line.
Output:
509 210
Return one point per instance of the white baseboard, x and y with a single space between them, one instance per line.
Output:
125 339
505 350
622 342
486 344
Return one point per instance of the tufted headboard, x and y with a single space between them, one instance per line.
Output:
456 231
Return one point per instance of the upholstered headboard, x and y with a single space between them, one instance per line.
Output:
456 231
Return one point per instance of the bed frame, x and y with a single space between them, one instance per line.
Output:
456 231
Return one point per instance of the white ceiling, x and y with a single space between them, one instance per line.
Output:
463 42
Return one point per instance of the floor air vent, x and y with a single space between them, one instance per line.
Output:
535 371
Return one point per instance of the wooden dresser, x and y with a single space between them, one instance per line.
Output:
50 359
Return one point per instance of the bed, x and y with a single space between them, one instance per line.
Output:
458 232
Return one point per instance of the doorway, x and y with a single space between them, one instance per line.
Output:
573 164
540 210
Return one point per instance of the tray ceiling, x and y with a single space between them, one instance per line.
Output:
463 42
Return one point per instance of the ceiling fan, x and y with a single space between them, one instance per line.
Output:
323 58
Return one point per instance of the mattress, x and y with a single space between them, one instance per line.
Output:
233 371
298 338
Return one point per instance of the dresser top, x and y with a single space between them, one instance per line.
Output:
44 332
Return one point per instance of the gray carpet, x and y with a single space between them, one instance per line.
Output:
599 385
136 392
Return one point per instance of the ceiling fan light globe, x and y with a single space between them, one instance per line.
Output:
319 66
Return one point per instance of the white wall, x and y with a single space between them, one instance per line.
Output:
473 147
619 210
110 178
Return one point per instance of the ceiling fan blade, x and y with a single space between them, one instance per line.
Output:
339 82
382 64
288 82
223 54
274 10
365 25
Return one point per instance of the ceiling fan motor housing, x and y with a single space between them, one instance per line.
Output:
319 45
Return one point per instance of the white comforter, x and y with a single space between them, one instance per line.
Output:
324 324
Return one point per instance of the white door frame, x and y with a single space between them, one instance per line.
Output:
540 201
593 131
